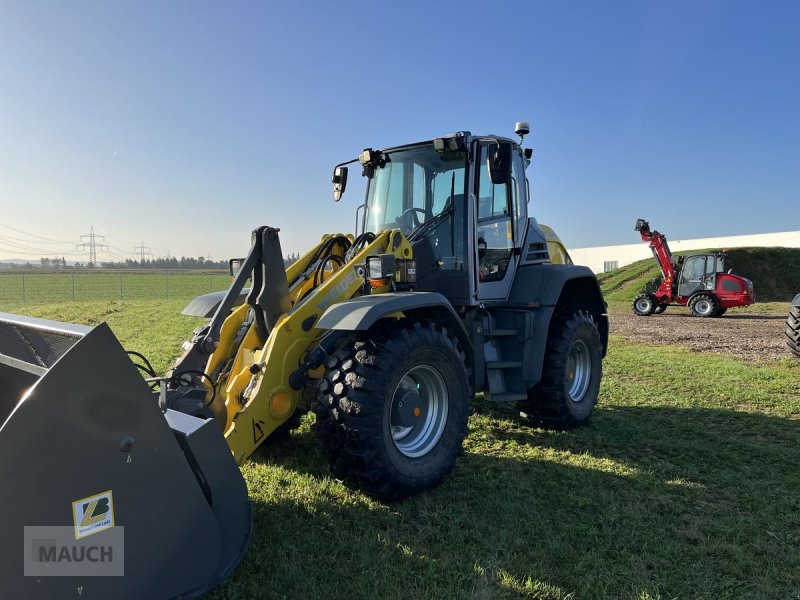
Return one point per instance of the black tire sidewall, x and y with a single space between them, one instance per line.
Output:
590 337
651 305
448 364
713 303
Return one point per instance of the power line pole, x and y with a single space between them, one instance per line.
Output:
143 251
93 243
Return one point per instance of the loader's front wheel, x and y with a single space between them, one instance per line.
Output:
571 373
392 409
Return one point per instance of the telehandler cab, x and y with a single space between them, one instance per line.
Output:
445 289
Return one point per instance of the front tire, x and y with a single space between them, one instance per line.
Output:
704 306
644 305
571 373
392 409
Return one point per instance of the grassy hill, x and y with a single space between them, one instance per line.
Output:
775 273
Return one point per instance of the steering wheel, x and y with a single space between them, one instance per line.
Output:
408 219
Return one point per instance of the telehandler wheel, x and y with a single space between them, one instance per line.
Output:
392 409
703 305
644 304
660 308
567 393
720 312
792 330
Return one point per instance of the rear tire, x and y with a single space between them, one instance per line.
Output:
703 305
644 304
392 409
571 373
792 330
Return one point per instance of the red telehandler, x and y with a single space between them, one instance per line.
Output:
699 281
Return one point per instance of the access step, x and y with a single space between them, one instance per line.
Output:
503 364
508 397
501 332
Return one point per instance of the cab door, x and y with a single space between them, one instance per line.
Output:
698 273
497 213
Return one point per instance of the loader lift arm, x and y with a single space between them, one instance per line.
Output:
251 364
265 264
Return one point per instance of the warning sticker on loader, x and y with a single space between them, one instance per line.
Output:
93 514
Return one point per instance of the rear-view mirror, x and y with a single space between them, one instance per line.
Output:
498 161
339 180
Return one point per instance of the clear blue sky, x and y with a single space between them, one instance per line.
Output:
186 124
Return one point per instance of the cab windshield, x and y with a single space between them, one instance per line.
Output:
415 185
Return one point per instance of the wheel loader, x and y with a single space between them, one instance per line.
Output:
445 289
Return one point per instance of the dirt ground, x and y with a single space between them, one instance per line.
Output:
747 336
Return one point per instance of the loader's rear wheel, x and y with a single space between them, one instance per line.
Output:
660 308
792 330
644 305
392 409
703 305
567 392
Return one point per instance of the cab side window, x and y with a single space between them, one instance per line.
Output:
495 237
693 269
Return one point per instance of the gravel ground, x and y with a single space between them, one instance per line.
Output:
747 336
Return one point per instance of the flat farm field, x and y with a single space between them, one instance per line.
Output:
684 485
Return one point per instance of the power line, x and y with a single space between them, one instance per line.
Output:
33 235
93 242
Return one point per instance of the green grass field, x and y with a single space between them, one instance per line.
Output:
685 485
71 286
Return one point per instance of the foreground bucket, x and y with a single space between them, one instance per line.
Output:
84 445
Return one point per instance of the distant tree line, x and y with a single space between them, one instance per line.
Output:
173 262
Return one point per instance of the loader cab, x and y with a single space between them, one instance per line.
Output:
464 228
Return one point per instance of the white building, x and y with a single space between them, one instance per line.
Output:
605 258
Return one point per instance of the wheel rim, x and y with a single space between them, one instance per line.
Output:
579 370
418 413
703 307
642 305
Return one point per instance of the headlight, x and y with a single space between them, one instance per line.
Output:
381 266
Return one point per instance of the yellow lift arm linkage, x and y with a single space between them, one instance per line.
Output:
254 396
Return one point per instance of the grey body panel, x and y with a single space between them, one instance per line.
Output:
206 305
539 288
796 300
542 284
63 441
359 314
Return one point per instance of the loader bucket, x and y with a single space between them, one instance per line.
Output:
81 431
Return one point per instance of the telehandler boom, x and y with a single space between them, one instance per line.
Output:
445 289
